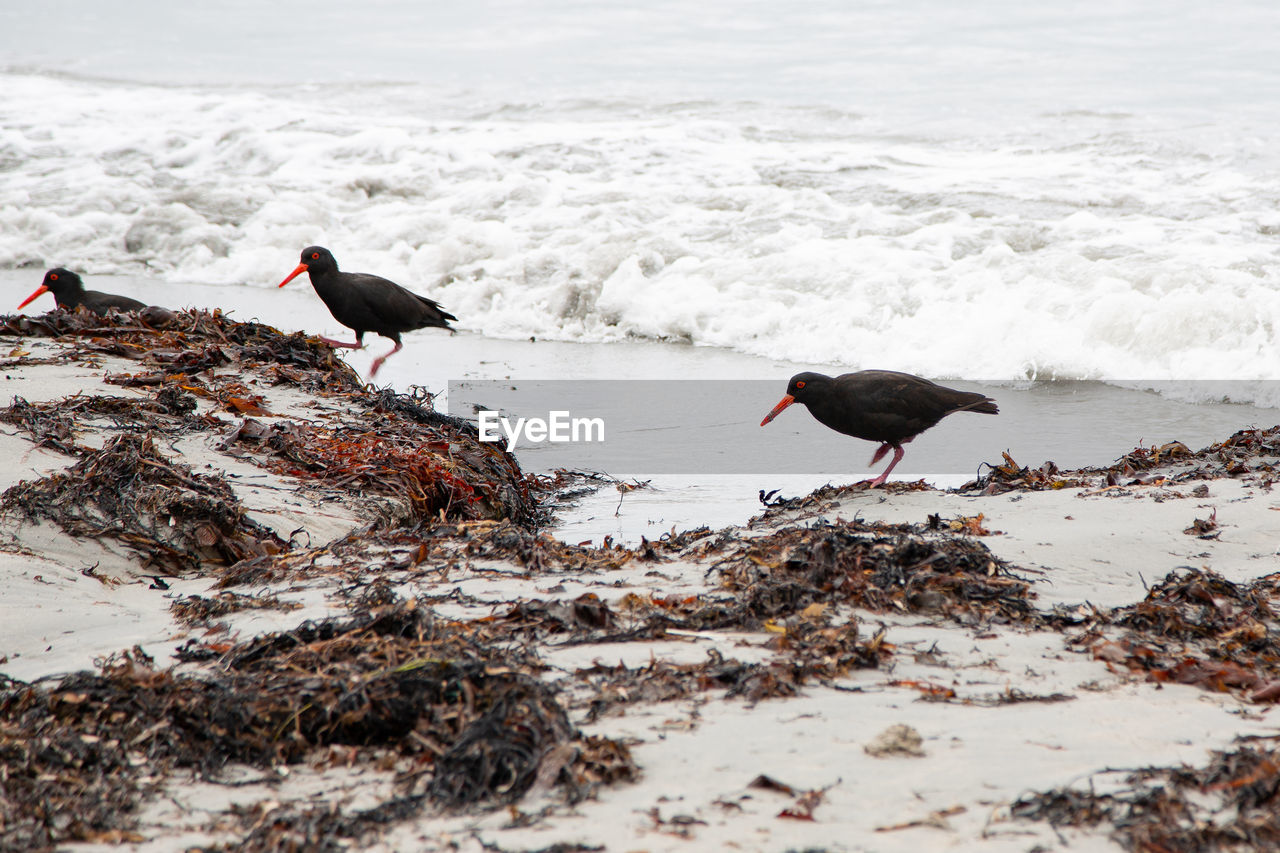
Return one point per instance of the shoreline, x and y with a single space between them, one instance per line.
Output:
1027 639
1074 423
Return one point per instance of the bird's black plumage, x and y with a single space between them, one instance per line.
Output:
368 303
879 405
69 293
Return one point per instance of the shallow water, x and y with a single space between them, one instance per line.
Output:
1073 423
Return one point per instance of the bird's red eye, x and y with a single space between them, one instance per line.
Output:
53 277
800 384
315 256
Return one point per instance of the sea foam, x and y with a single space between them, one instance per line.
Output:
1081 246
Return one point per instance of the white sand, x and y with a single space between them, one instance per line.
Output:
697 757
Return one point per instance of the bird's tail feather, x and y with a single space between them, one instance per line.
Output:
984 405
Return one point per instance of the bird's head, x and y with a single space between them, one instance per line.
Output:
315 260
800 389
58 281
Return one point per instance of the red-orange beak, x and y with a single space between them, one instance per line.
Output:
782 404
40 290
297 272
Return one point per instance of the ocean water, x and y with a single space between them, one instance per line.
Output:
988 191
997 192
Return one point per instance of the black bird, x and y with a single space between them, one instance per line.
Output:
879 405
367 303
68 291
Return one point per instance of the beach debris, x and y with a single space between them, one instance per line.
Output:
826 497
625 488
1205 528
805 800
968 525
805 654
765 782
54 424
1009 475
389 456
1195 627
1229 804
678 825
930 691
471 723
372 443
269 826
879 567
128 491
898 741
1015 696
805 804
201 610
190 342
1253 453
936 820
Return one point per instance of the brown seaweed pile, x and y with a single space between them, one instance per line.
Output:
184 343
202 610
878 567
1230 804
1196 627
176 519
534 551
55 424
439 473
372 443
1249 453
808 653
472 725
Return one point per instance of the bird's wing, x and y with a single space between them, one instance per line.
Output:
397 306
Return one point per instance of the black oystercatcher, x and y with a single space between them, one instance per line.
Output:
68 291
879 405
367 303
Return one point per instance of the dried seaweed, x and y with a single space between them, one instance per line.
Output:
536 552
389 444
807 653
433 472
191 341
1230 804
497 756
128 491
199 609
881 568
827 497
54 424
1247 453
474 724
440 469
1196 627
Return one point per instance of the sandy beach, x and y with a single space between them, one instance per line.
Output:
1043 660
256 599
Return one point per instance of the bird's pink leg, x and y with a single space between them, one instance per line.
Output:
377 362
898 453
342 344
879 454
